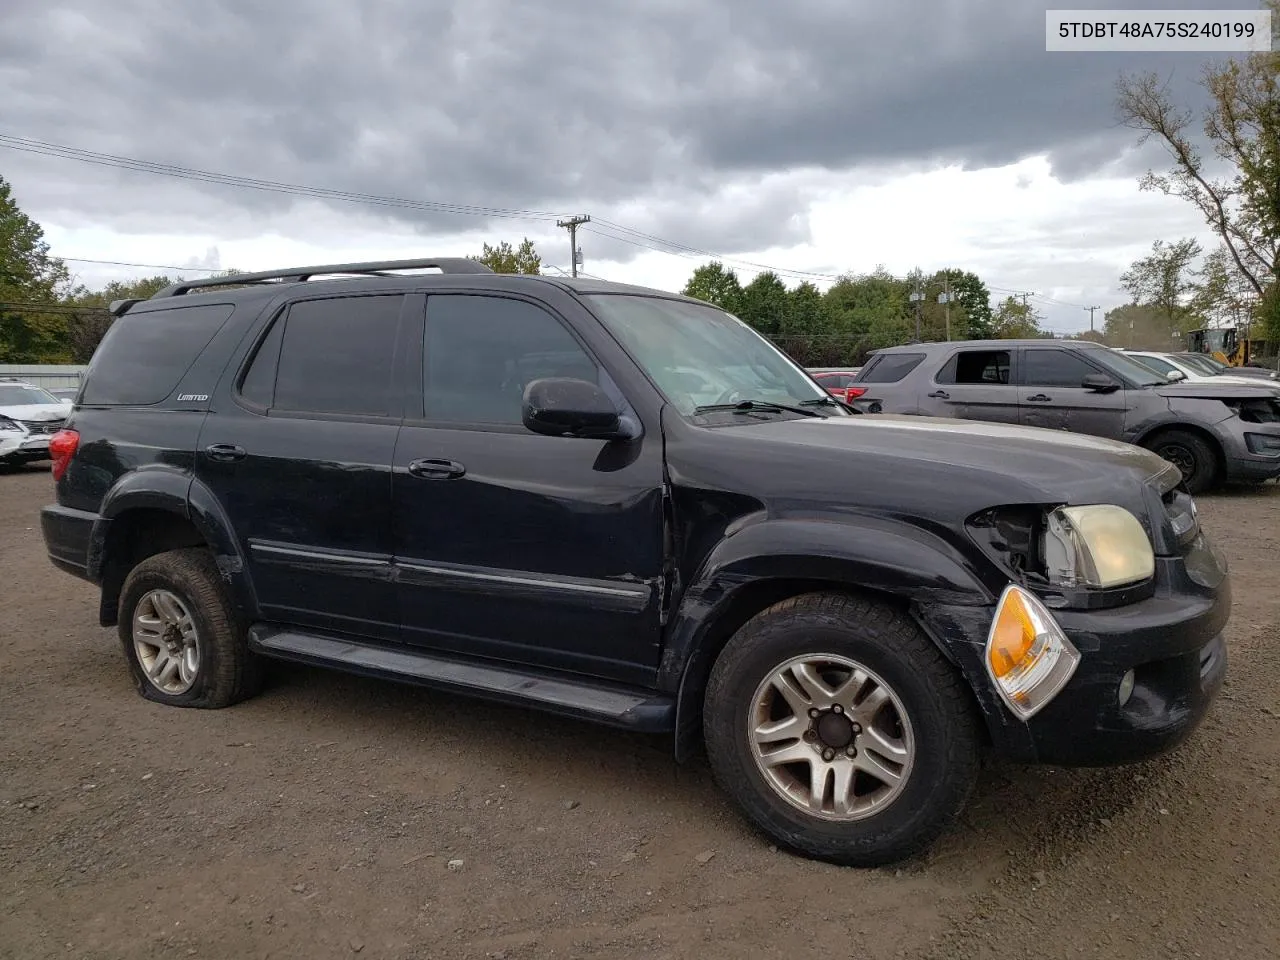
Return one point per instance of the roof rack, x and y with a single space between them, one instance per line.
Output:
376 268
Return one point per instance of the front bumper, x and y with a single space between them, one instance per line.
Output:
18 447
1173 641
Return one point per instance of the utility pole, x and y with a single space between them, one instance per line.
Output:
945 297
917 296
1024 297
1091 309
572 223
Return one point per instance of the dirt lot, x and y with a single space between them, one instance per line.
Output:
319 820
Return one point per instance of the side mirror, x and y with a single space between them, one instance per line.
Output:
67 402
561 406
1099 382
1176 375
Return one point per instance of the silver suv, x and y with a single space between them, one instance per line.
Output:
1213 433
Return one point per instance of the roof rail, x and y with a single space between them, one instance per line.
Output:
376 268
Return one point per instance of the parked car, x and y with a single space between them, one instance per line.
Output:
1211 365
501 485
29 416
1174 367
1212 432
838 382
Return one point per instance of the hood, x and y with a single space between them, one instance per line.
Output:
1214 389
36 412
1033 454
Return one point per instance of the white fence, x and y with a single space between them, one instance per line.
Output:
51 376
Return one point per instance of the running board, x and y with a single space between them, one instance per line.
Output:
618 706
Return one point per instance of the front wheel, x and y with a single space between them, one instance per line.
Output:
840 730
1194 457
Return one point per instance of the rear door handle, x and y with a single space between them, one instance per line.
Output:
436 469
941 395
225 452
1039 398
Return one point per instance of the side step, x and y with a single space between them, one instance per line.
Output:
634 709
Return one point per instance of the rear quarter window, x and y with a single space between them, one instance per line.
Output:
889 367
145 355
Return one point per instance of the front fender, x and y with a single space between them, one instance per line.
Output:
872 553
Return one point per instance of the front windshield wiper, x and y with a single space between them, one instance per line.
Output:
747 406
829 402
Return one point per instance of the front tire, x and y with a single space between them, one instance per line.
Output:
841 731
1194 457
184 643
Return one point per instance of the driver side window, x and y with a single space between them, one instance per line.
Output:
480 352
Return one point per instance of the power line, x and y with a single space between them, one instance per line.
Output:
611 229
65 152
144 266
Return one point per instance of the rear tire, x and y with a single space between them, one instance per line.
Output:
910 766
184 643
1191 454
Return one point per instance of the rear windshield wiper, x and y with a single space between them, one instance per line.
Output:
747 406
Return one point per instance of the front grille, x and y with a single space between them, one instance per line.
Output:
42 427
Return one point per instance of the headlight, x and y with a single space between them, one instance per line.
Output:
1100 545
1028 656
10 426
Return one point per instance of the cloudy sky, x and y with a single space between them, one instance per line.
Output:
814 136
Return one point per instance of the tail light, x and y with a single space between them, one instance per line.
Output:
62 447
853 393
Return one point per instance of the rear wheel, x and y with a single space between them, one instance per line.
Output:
840 730
1194 457
184 643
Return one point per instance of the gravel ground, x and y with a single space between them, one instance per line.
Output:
335 816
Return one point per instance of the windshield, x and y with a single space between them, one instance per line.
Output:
20 395
1204 365
1158 364
701 356
1128 367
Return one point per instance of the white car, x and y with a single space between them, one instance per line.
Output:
29 416
1170 365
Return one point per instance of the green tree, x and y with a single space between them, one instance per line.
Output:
871 309
805 314
28 275
973 298
1268 314
1139 327
1165 281
1015 320
716 284
764 303
1241 124
507 259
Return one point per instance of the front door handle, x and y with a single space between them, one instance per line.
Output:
436 469
940 395
224 452
1039 398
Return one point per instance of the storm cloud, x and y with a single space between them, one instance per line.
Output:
675 119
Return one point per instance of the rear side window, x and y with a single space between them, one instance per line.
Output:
986 367
889 367
145 354
328 356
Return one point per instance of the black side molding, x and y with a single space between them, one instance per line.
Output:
634 709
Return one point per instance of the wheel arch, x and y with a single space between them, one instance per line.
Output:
774 561
1147 438
151 512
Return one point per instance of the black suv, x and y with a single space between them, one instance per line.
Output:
502 485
